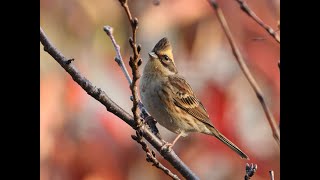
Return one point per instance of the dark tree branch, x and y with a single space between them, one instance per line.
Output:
151 156
112 107
93 91
245 8
250 170
244 68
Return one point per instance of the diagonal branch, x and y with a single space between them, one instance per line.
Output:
112 107
244 68
93 91
245 8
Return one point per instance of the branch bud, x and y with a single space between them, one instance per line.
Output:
139 48
131 62
131 41
108 30
139 62
135 22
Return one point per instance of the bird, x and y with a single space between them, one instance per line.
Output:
169 98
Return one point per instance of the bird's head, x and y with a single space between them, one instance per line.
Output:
161 58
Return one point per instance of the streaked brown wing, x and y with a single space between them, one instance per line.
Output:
184 98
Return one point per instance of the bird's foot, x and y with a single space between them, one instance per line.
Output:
166 147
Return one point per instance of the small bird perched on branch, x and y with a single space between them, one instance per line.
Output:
170 99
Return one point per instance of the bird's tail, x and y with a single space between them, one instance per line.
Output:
226 141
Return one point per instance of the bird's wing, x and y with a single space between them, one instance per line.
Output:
184 98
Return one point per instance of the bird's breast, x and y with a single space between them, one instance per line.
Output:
150 97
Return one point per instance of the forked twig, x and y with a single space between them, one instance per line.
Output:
119 60
245 8
144 114
134 62
244 68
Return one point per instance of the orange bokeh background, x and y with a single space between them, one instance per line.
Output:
79 139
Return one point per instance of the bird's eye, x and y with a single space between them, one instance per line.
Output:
166 57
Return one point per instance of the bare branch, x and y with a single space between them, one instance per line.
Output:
244 68
271 175
112 107
151 156
93 91
250 170
134 61
245 8
144 114
119 60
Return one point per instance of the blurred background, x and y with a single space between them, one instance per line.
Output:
80 140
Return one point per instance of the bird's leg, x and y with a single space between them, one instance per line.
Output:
176 139
167 146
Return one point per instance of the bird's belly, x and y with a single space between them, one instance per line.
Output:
156 108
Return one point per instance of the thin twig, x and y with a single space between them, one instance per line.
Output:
245 8
244 68
134 62
250 170
119 60
144 114
271 175
151 156
112 107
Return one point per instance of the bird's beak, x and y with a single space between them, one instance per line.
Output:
153 55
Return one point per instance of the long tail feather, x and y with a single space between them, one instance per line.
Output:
226 141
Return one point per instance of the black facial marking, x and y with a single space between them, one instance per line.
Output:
167 62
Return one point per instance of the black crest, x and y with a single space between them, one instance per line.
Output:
163 44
